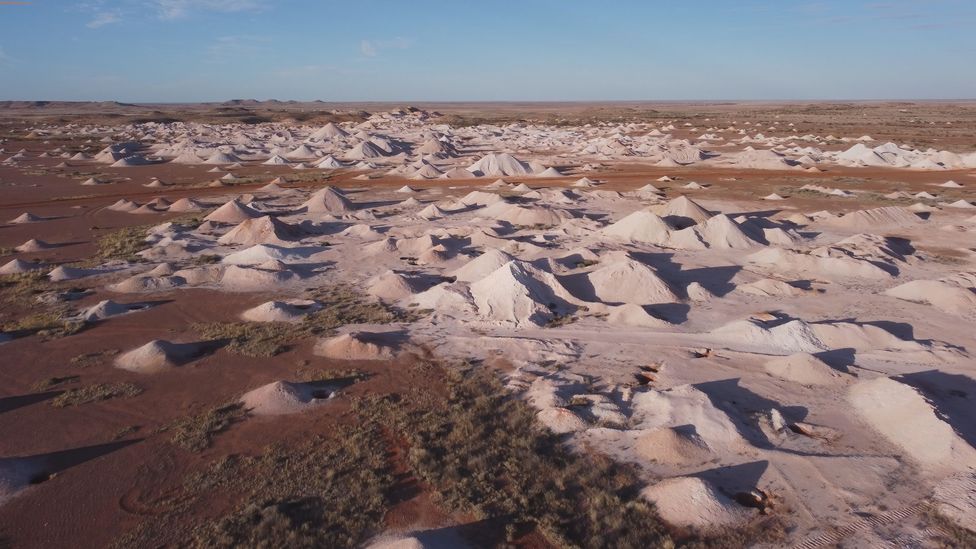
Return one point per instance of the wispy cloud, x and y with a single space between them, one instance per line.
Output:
178 9
368 49
103 18
372 48
232 48
4 58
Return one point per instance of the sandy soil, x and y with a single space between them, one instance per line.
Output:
824 397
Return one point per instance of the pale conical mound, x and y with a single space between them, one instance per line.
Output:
905 418
33 245
186 205
682 212
518 293
283 397
281 311
640 226
720 231
157 356
328 200
232 212
391 286
633 315
482 266
691 501
19 266
499 165
627 281
108 309
431 212
869 220
260 230
945 296
245 279
356 346
221 158
26 217
673 445
769 287
803 368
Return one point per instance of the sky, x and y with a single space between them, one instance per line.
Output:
488 50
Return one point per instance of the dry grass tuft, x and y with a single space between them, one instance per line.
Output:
195 433
95 393
341 306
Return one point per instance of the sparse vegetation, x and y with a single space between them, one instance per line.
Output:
341 306
52 382
948 533
23 288
95 393
86 360
312 375
205 259
124 244
483 451
254 339
195 433
46 324
327 492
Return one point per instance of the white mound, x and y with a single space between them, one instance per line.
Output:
635 316
107 309
947 297
283 397
260 230
62 273
245 279
293 310
802 368
19 266
829 267
640 226
482 266
887 216
627 281
145 283
518 293
720 231
495 165
961 204
391 286
33 245
232 212
673 445
682 212
691 501
356 346
186 205
328 200
260 253
25 217
769 287
156 356
905 418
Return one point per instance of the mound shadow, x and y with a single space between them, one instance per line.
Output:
952 395
744 408
11 403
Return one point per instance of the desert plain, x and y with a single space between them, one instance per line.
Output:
712 324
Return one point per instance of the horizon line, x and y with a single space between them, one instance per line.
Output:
496 101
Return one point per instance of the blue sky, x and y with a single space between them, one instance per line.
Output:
403 50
